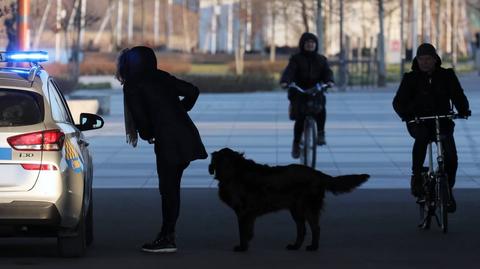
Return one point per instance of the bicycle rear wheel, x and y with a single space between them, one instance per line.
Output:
309 148
443 198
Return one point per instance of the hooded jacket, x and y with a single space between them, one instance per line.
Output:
423 94
307 68
154 98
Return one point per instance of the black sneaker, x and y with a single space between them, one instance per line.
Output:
164 244
295 150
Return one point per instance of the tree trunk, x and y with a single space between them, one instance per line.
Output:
42 25
130 22
186 35
402 42
414 28
240 49
320 27
156 22
382 74
305 15
454 33
272 36
119 23
169 22
343 65
437 28
58 27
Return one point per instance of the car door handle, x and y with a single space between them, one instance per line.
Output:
83 142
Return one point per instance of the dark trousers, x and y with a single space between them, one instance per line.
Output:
423 133
298 103
169 177
320 118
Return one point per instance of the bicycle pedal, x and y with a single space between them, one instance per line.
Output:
421 200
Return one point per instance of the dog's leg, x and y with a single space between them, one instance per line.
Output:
313 217
300 223
245 226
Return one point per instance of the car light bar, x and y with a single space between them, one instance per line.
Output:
24 56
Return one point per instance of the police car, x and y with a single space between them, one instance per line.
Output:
45 167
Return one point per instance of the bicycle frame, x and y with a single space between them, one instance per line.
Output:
437 191
308 145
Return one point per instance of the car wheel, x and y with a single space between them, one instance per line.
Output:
89 224
73 244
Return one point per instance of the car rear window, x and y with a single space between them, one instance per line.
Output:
19 108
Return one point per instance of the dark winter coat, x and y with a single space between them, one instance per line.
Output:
422 94
160 113
307 68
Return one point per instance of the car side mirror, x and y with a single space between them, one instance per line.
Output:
89 122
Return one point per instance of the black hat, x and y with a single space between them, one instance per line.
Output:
427 49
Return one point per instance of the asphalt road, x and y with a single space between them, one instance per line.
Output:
369 228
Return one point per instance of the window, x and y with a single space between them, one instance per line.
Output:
19 108
59 112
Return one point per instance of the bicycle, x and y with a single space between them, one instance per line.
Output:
314 104
435 180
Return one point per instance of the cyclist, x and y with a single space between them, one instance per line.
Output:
306 68
427 90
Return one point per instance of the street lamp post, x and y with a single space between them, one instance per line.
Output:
22 26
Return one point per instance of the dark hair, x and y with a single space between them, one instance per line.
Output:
135 63
122 66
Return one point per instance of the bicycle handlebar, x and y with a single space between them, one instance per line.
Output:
447 116
318 87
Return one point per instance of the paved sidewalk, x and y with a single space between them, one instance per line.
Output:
363 229
363 136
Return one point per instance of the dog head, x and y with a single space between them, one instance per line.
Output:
223 164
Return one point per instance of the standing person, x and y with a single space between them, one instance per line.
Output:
306 68
154 109
429 90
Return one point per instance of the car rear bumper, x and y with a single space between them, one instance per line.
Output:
29 213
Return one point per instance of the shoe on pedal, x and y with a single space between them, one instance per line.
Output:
295 150
163 244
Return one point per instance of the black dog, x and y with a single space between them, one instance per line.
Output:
252 189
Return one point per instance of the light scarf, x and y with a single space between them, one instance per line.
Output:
130 128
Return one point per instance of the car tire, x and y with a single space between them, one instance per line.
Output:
73 244
89 224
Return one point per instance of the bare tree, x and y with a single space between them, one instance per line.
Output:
305 15
240 48
186 35
382 73
320 27
454 33
273 13
168 23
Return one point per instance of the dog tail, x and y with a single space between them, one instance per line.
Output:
346 183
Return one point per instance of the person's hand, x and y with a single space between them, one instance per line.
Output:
465 114
330 84
407 117
284 85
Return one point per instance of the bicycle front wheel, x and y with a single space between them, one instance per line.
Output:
309 150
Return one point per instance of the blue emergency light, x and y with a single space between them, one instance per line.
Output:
24 56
